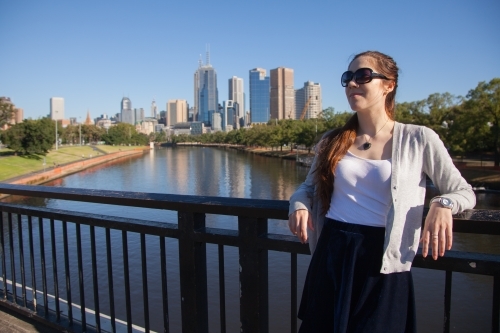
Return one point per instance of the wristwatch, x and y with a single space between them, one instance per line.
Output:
445 202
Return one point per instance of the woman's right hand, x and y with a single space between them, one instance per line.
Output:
298 222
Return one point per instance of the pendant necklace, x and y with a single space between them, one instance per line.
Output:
367 145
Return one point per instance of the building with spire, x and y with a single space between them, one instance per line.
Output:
206 94
88 120
154 110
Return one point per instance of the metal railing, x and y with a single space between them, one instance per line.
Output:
79 309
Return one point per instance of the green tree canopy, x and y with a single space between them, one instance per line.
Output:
31 136
7 111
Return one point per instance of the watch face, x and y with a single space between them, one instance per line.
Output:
446 202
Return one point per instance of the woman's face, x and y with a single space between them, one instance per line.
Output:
367 96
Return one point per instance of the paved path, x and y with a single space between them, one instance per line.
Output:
10 322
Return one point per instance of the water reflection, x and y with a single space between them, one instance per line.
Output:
230 173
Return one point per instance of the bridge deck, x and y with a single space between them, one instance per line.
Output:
11 322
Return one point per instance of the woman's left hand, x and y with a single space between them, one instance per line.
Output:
438 231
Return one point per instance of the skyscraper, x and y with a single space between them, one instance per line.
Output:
310 92
237 95
57 108
177 111
259 96
282 93
139 115
205 90
229 116
127 115
154 113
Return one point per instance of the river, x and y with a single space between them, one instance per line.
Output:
231 173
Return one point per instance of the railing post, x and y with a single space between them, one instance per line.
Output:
495 324
447 302
254 305
193 274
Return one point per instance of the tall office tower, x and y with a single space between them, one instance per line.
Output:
206 99
154 112
57 108
310 92
282 94
259 96
191 114
138 117
177 111
237 95
216 121
127 114
229 116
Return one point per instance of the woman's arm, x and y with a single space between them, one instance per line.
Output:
301 204
438 165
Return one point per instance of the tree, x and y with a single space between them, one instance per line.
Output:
306 133
160 137
7 111
331 119
31 137
483 105
120 134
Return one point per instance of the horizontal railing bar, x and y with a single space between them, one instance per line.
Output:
282 243
463 262
164 229
217 236
273 242
485 221
275 209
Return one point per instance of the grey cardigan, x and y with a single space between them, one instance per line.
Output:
417 151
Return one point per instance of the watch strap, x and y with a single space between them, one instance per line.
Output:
441 201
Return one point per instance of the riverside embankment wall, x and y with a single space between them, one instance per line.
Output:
72 167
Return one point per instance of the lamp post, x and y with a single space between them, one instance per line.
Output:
80 123
56 130
316 118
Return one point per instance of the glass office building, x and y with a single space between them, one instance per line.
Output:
259 96
208 95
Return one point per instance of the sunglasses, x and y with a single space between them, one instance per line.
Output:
361 76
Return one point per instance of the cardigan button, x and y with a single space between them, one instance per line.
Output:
394 187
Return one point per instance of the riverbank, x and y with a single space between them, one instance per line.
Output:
479 176
51 167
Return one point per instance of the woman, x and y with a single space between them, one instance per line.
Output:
363 203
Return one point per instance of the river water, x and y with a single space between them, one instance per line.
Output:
231 173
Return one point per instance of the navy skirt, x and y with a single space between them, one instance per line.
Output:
345 292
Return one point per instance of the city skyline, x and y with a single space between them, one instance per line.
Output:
440 47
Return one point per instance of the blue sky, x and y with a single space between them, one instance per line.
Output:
93 53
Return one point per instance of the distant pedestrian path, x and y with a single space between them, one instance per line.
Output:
13 167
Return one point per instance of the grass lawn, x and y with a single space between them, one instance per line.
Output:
114 149
13 166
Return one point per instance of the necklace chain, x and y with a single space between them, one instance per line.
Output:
367 145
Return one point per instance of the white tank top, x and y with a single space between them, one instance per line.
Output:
362 191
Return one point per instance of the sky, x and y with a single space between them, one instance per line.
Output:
93 53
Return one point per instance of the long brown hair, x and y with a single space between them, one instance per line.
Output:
335 144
